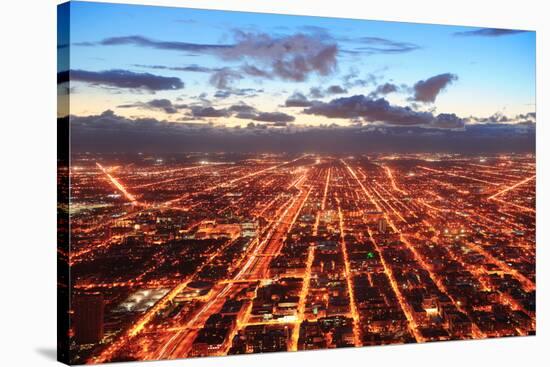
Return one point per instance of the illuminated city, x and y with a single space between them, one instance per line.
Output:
236 183
215 254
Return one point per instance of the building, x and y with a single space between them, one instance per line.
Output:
249 229
382 225
211 229
88 318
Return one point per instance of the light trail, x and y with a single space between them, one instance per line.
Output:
303 298
353 305
512 187
268 205
457 175
396 201
327 183
165 181
390 206
118 185
323 204
517 206
392 180
176 170
499 175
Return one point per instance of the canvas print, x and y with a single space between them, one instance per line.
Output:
233 183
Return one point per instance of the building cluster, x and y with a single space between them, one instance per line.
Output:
264 253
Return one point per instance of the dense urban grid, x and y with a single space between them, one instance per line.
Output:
214 254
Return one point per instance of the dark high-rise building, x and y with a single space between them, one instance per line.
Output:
88 318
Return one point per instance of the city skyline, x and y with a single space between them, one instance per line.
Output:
140 73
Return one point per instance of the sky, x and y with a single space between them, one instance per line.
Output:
164 78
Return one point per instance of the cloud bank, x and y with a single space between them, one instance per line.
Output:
100 133
122 79
164 105
380 110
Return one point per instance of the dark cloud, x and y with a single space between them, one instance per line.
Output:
318 92
240 111
200 112
221 78
108 121
447 121
427 90
242 107
336 89
224 78
297 100
527 116
354 79
247 112
378 45
100 133
243 111
190 68
156 104
488 32
162 45
241 92
380 110
384 89
122 79
255 71
201 98
277 117
290 57
222 94
500 118
361 82
84 44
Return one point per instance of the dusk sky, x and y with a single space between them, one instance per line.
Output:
141 73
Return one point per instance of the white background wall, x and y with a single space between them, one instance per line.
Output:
28 191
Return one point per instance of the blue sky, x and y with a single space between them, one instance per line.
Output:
475 75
